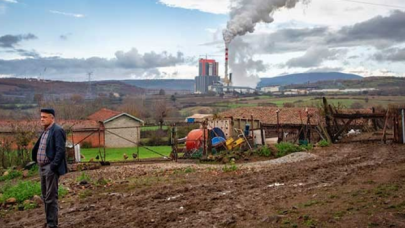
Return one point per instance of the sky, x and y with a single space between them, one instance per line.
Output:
163 39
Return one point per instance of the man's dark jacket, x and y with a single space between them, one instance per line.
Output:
55 149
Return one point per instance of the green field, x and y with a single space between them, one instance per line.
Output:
236 105
153 128
116 154
313 101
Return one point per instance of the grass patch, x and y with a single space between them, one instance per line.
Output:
117 154
308 221
24 190
85 193
285 148
334 197
310 203
264 152
184 170
189 170
153 128
323 143
83 177
386 190
29 205
338 215
11 174
231 168
15 173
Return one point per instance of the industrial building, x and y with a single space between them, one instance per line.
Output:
208 75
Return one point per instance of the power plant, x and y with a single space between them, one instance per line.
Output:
209 80
208 75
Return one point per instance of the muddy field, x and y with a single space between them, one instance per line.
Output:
352 185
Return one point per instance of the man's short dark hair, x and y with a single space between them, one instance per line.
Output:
48 110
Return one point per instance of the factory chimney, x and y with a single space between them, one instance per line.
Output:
227 80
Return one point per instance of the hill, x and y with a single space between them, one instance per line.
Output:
307 77
27 88
383 85
166 84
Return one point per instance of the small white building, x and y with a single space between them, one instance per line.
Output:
270 89
296 92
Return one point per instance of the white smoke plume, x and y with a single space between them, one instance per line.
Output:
245 14
245 68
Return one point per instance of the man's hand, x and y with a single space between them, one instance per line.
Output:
54 167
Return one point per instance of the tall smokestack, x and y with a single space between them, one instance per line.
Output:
226 63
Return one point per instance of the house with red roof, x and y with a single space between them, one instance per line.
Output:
104 127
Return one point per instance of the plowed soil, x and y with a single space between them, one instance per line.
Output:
352 185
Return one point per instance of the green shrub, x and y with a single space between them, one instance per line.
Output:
323 143
156 140
285 148
197 155
231 168
33 171
24 190
306 147
264 151
86 145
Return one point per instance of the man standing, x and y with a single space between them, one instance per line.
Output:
49 153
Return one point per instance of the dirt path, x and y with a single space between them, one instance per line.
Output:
356 185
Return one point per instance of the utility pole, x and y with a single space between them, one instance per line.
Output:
89 90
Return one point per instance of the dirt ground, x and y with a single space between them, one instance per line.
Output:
351 185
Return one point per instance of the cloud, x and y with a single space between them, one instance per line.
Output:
27 53
287 40
65 36
129 64
10 41
391 55
207 6
133 59
324 69
314 57
67 14
378 32
9 1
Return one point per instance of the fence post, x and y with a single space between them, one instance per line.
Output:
403 126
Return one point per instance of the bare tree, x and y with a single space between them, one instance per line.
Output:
24 134
133 106
38 98
160 111
76 98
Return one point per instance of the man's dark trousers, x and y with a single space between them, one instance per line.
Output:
49 187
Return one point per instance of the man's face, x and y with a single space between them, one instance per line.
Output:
46 119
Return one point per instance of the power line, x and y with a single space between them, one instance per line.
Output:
375 4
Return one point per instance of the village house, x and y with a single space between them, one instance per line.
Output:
104 127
